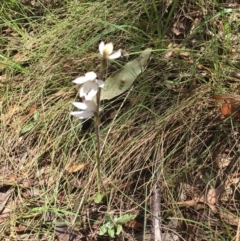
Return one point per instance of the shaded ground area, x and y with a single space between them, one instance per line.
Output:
177 128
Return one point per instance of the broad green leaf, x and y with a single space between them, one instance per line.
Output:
111 232
125 218
122 80
119 229
98 198
103 230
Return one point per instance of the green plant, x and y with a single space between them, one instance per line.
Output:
113 224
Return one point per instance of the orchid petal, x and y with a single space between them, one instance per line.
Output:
80 80
90 76
101 47
100 83
108 49
82 114
116 55
91 106
80 105
88 90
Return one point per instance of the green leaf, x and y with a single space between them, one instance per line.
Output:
108 217
98 198
27 128
122 80
36 116
111 232
125 218
103 230
119 229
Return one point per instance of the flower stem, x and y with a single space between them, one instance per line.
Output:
97 130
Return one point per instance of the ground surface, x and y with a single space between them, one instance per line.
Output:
175 133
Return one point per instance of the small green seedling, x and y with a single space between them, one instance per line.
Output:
113 224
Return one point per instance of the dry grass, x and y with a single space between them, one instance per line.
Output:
168 122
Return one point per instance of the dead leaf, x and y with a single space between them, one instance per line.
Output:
230 106
235 75
68 63
12 112
64 234
184 54
13 180
226 110
20 228
7 31
4 198
133 224
76 167
32 109
9 180
3 78
181 27
191 202
5 212
168 54
228 98
211 198
179 89
234 179
20 58
229 217
222 160
4 216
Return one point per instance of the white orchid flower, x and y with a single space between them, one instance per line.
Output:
88 109
106 50
90 85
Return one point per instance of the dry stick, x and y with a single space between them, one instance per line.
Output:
238 231
157 211
156 206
